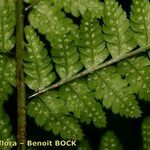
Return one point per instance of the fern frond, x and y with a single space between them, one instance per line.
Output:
7 23
50 112
140 18
80 100
37 64
91 43
5 129
7 76
110 141
146 133
136 71
61 33
118 35
84 145
114 93
81 6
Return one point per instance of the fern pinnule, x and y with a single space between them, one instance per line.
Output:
37 64
146 133
50 112
117 34
140 21
80 100
66 56
7 77
67 126
5 129
136 71
81 6
110 141
59 25
114 92
91 43
7 24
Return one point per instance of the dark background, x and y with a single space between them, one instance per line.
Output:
127 130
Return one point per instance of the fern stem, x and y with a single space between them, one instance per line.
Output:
91 70
21 108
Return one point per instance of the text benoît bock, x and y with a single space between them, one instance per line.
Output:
39 143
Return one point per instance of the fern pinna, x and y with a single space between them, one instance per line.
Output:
7 65
87 50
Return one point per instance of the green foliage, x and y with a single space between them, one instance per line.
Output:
7 65
45 11
61 33
69 49
88 45
75 7
7 23
81 6
5 129
84 145
136 71
80 100
140 18
50 112
114 92
91 43
146 133
109 141
116 29
37 64
7 77
66 57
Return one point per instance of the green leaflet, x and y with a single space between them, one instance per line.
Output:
37 64
146 133
77 7
80 100
50 112
65 56
136 71
7 23
61 33
91 43
67 126
59 25
114 92
116 29
140 18
84 145
7 77
109 141
5 129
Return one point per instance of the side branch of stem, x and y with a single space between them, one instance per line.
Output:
88 71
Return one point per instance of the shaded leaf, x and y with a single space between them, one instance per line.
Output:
114 92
